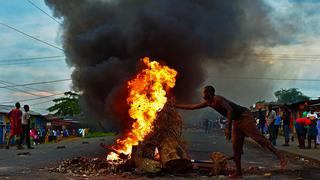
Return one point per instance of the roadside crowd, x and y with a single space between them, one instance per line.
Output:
307 127
20 127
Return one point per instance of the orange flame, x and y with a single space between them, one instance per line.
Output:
147 96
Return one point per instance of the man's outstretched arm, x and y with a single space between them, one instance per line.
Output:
192 106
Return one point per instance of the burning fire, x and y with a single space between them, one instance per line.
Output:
147 96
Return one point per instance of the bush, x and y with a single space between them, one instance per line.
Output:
99 134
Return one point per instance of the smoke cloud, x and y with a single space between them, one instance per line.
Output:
104 40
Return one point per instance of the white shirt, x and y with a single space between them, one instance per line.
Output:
54 132
312 116
25 118
272 116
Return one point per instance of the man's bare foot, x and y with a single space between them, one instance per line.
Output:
283 163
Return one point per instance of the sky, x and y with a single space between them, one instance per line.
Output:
297 57
23 16
302 47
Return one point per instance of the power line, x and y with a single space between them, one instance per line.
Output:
30 58
47 97
35 104
31 99
36 89
21 90
44 12
18 90
286 54
29 84
287 59
51 60
266 78
10 87
32 37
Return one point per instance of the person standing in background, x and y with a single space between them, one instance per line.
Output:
15 116
26 127
271 125
305 113
277 124
286 118
312 133
312 115
301 130
318 127
312 130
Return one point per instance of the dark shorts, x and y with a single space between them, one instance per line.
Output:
301 132
245 126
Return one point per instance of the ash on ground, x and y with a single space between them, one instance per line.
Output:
82 166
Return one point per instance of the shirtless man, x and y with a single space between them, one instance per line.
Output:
243 125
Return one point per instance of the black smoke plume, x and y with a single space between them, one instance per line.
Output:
104 40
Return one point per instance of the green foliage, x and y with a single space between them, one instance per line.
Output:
67 105
288 96
261 101
99 134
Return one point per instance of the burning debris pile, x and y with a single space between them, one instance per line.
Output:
154 142
164 147
161 150
147 96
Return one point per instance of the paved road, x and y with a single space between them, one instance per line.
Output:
46 155
200 146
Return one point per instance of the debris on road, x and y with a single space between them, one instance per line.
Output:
24 154
219 163
81 166
61 147
267 175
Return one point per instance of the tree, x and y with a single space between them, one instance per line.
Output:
289 96
66 106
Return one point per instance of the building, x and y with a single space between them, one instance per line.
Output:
36 121
296 109
60 123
